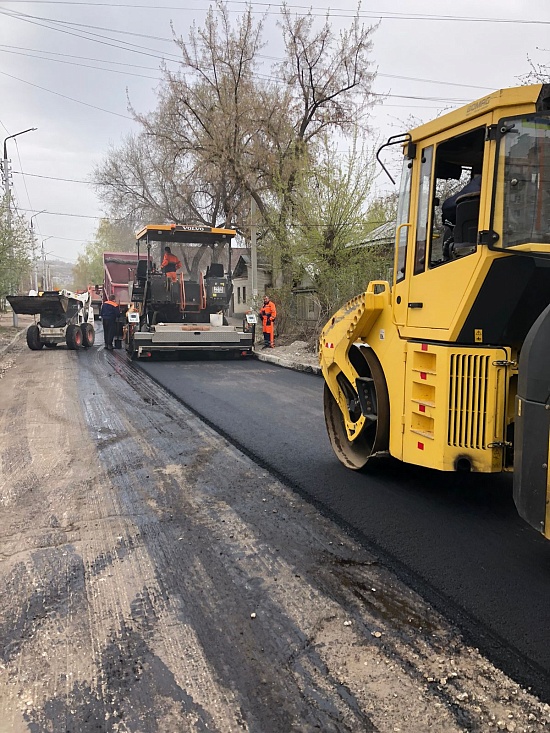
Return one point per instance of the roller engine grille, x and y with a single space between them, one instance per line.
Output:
468 389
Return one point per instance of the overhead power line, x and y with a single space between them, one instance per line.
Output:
65 96
82 66
141 50
78 216
374 14
29 52
94 37
73 56
55 178
65 239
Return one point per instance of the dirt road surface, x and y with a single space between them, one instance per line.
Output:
155 579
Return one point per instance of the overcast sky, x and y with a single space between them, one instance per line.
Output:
66 68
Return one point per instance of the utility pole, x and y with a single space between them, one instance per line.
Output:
44 266
34 257
254 251
7 199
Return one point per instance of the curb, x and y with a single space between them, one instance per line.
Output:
295 365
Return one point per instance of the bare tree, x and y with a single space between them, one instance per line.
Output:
539 73
221 134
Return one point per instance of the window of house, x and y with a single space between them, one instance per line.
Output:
238 295
244 294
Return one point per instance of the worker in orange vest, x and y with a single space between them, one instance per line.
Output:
170 264
268 312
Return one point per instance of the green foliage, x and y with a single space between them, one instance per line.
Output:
382 209
109 237
334 214
15 255
336 287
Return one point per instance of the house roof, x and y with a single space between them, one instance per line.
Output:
383 233
244 262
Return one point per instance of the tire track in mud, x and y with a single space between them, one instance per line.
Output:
140 613
169 583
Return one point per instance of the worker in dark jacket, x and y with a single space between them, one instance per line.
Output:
170 264
268 312
110 312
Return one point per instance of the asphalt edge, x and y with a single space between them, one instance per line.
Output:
295 365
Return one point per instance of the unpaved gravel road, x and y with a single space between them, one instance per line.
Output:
154 579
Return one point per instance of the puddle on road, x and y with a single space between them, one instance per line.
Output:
385 601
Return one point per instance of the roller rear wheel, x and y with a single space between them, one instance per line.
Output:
368 398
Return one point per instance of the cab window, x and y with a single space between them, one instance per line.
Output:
402 218
457 185
525 152
422 225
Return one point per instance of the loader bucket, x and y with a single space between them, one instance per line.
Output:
52 304
532 427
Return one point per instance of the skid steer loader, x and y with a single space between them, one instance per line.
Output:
64 317
448 366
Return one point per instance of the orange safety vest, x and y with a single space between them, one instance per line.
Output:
112 312
268 312
169 265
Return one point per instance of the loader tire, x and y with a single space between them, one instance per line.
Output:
88 335
33 338
74 337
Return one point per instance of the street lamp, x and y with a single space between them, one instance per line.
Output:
9 137
5 167
34 215
6 176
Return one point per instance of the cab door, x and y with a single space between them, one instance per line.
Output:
403 244
438 283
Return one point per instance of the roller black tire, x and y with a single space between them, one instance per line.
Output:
374 436
74 337
88 335
33 338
